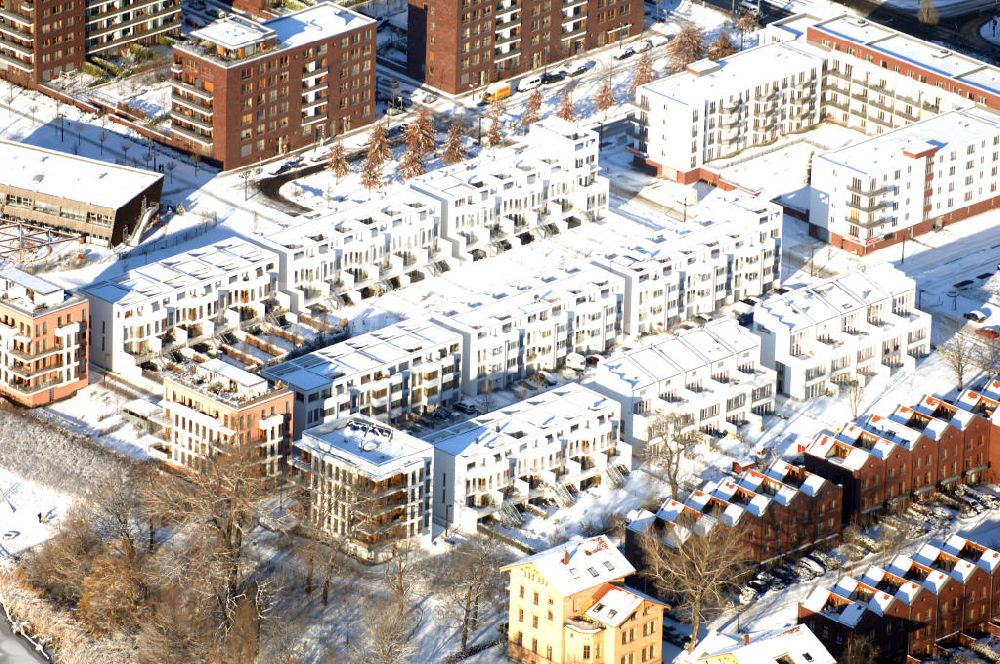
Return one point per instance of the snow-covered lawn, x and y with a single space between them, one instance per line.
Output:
21 503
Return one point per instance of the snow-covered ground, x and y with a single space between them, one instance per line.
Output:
21 503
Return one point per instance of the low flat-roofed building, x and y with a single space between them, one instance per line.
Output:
43 340
369 483
705 379
103 202
847 328
411 367
177 300
533 450
214 407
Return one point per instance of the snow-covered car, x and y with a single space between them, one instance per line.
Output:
623 53
530 82
579 68
424 97
662 40
554 76
976 315
643 46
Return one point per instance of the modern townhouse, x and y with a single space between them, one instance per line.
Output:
781 512
567 604
410 367
848 328
369 484
546 447
732 253
245 91
531 327
706 379
544 185
907 182
43 340
39 41
357 251
177 300
216 408
104 203
943 595
456 45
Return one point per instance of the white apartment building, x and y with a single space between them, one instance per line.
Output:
908 181
368 483
532 326
546 184
177 300
729 250
714 110
851 327
710 377
544 447
357 251
413 366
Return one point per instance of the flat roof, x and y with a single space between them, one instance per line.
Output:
882 152
233 32
367 444
70 176
320 21
29 281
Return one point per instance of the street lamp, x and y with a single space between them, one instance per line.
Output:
246 181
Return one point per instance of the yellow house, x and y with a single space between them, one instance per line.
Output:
566 607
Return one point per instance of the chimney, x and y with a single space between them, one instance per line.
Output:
565 558
746 639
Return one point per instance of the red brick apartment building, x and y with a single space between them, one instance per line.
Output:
883 461
41 39
43 340
458 45
946 594
244 91
782 512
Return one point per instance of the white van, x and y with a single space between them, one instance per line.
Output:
530 82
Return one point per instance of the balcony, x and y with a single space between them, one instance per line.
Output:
191 135
197 122
869 207
873 191
9 28
500 56
187 87
23 388
95 47
572 34
193 104
17 17
506 25
17 48
510 39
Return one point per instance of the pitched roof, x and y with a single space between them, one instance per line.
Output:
578 564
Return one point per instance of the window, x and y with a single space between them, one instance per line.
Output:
586 652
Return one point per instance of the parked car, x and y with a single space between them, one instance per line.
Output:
977 315
530 82
579 68
554 76
466 408
623 53
441 414
988 333
424 97
643 46
547 379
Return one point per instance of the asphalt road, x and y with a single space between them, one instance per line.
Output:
14 650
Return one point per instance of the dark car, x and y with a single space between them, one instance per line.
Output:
553 76
466 408
579 68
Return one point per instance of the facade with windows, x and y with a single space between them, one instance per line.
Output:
853 327
176 301
569 604
214 408
245 91
43 340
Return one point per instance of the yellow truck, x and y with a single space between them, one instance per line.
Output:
495 91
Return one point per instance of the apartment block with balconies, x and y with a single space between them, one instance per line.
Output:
532 326
43 340
849 328
245 90
215 408
907 182
544 448
369 484
544 185
176 301
707 379
399 371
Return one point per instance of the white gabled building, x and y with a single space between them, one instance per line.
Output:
357 251
545 184
541 448
787 645
532 326
850 327
177 300
368 483
410 367
731 250
710 377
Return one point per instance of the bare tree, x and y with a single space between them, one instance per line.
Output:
745 24
420 134
497 109
371 173
859 650
987 355
412 163
401 572
605 98
687 47
114 592
722 47
337 163
533 109
63 562
454 151
567 110
696 574
927 13
663 447
959 352
473 579
643 73
378 151
387 638
856 396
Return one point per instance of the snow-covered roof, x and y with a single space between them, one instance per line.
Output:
793 645
614 606
374 448
579 564
74 178
639 520
983 556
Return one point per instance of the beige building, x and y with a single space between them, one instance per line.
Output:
217 405
567 604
